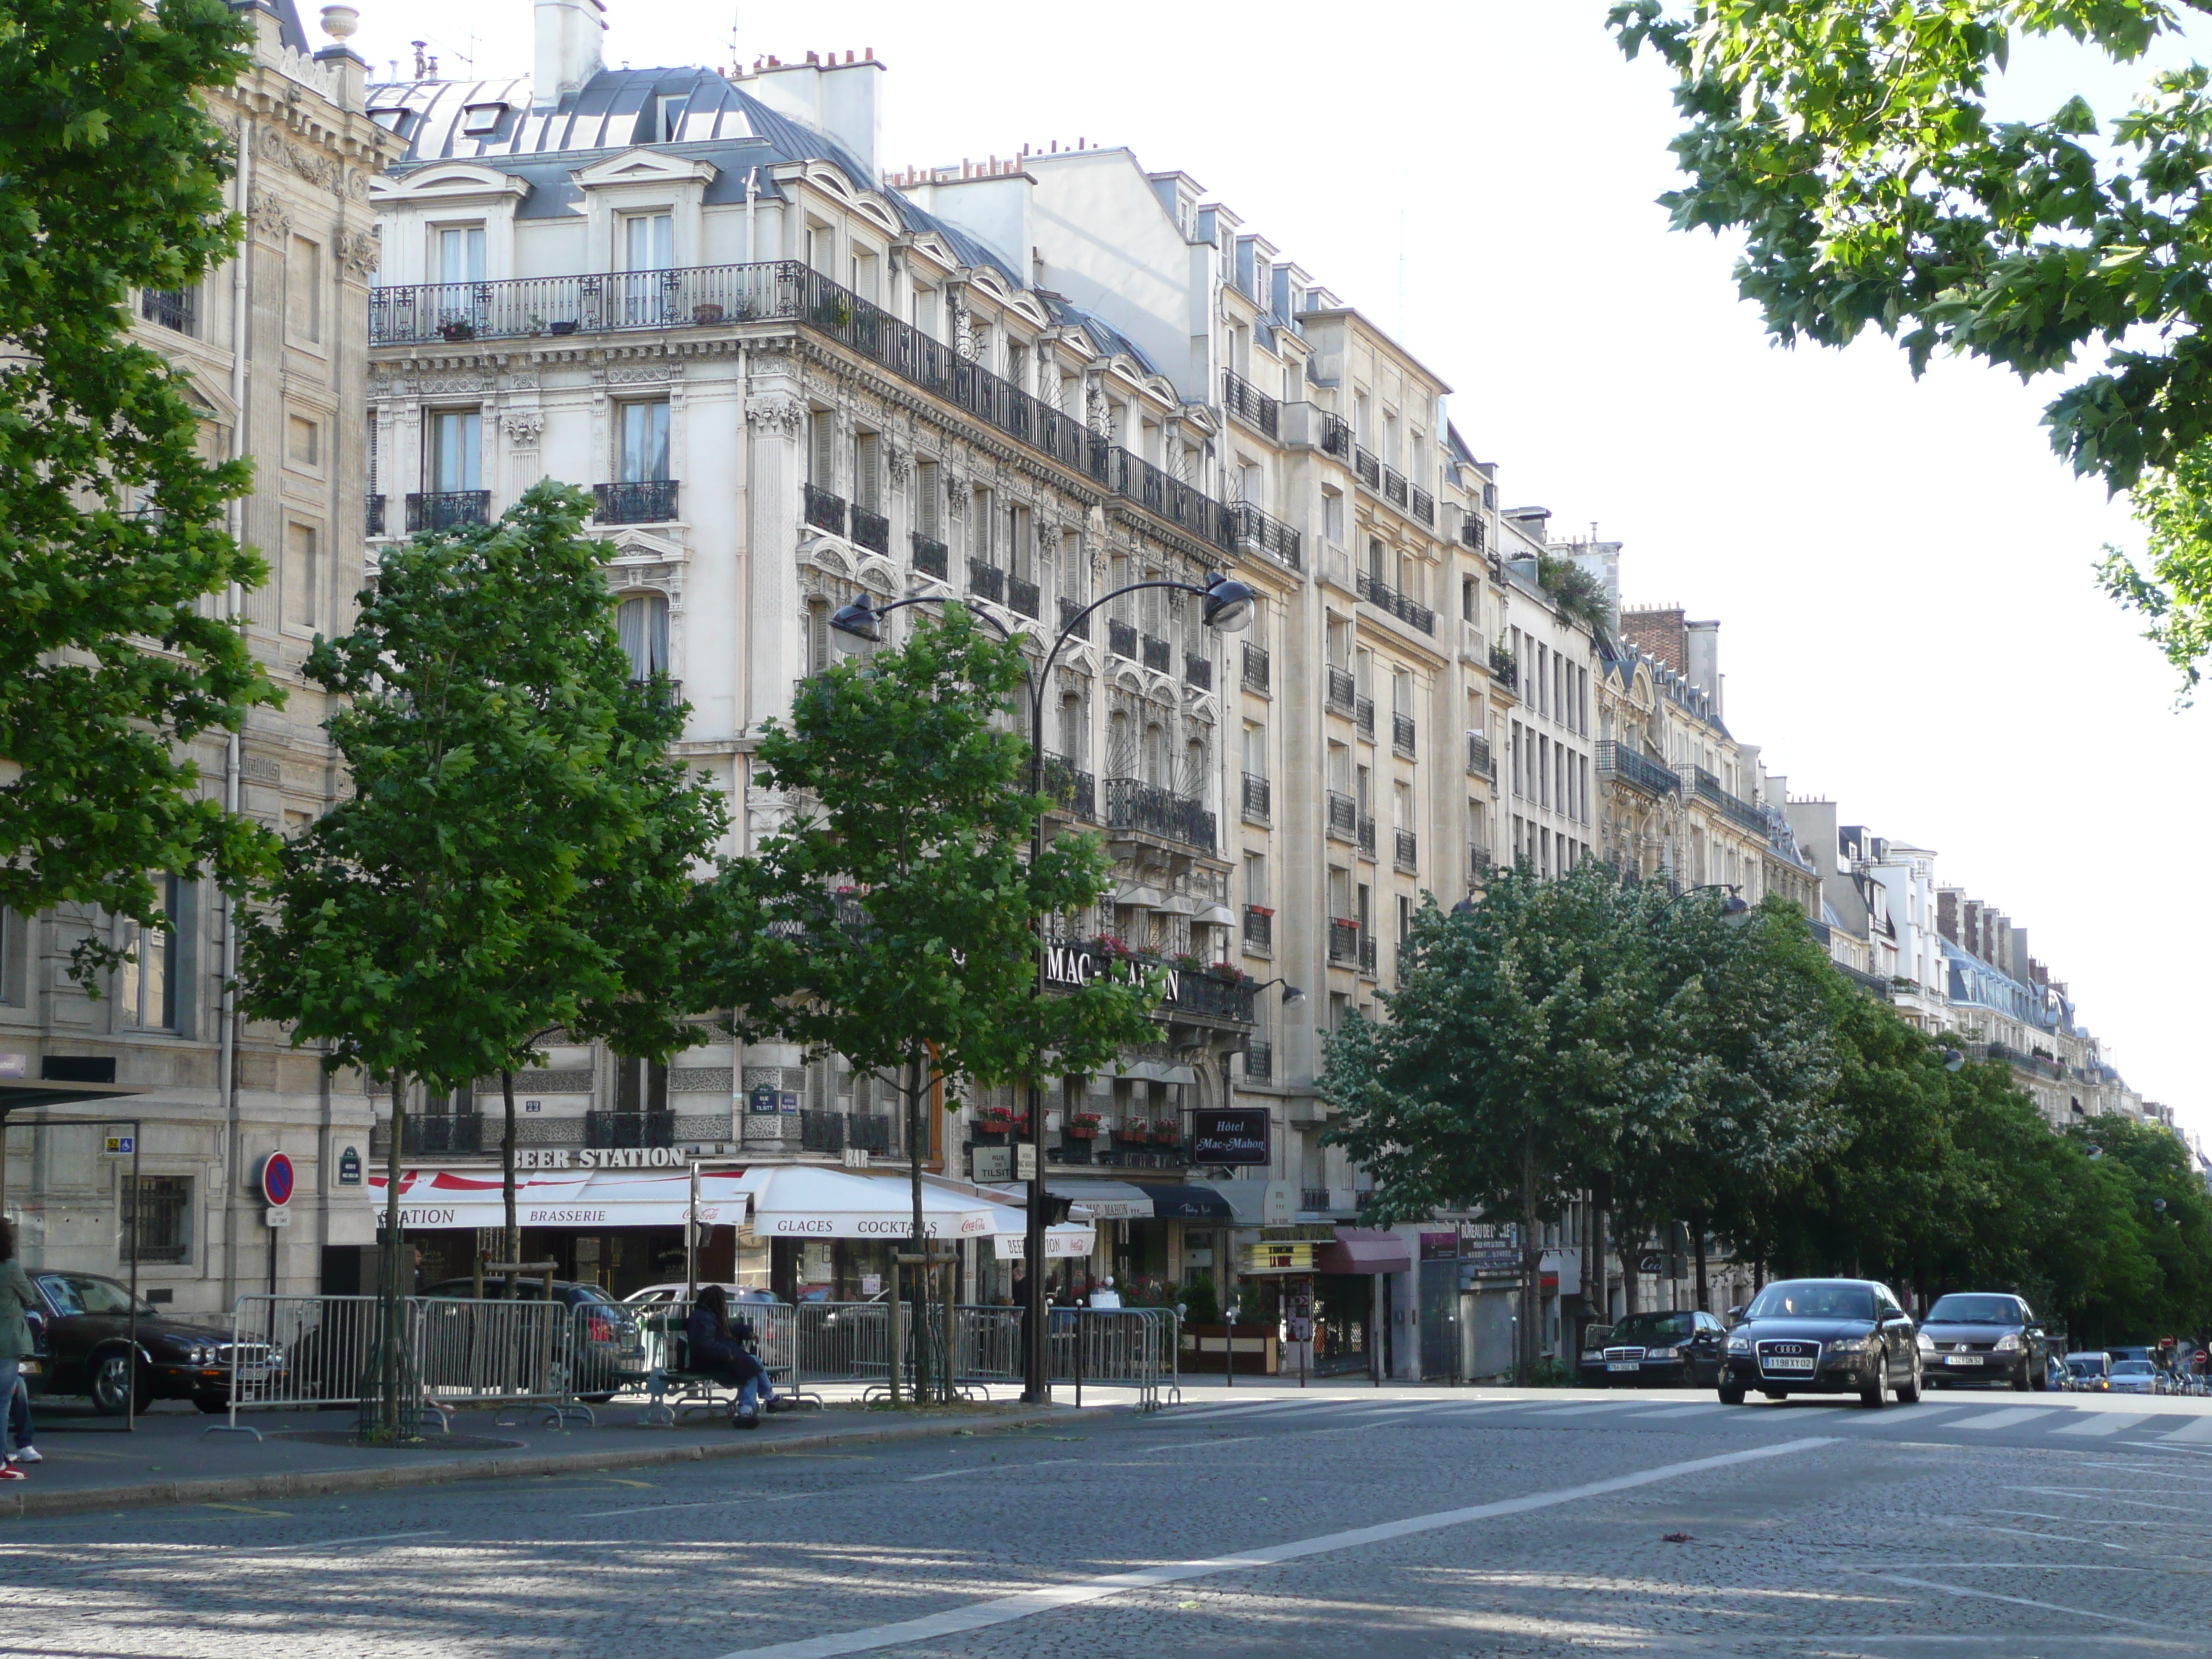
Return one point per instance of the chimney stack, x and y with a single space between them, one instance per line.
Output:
569 34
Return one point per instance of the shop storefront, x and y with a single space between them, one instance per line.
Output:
1351 1286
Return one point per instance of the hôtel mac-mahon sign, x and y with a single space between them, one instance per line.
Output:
1073 966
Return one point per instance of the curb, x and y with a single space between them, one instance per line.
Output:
318 1483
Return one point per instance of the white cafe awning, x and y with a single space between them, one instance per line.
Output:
800 1201
1097 1200
1153 1071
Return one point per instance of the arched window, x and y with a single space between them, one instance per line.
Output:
641 625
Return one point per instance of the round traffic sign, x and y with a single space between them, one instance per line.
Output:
276 1179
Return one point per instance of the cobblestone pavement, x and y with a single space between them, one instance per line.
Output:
1446 1525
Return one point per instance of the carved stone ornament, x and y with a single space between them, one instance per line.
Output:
268 214
901 466
783 415
653 376
360 251
523 427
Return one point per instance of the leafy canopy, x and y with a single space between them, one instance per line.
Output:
111 526
894 911
1849 142
519 851
1579 595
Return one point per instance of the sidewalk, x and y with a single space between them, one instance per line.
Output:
91 1464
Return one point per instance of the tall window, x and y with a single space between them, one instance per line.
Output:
146 984
640 1085
867 471
15 958
649 241
928 501
456 450
157 1221
1255 878
461 254
645 442
821 458
641 625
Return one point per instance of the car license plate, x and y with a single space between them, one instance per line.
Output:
1621 1365
1962 1359
1789 1362
255 1373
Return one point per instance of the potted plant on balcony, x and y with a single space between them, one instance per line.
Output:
567 326
1082 1125
706 312
992 1125
1135 1131
1167 1132
456 328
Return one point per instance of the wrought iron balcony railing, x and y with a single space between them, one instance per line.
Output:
448 509
1734 808
871 530
1259 1061
837 1132
644 502
1259 929
1259 798
375 525
1478 862
932 558
1069 610
1363 717
1343 942
1023 598
1166 496
1249 403
1367 957
1131 804
987 581
1627 765
824 511
1255 667
1335 436
1075 793
1479 761
1343 817
1158 656
1424 506
1394 488
1256 529
1503 669
1340 690
613 1129
1120 640
1380 593
1471 532
1197 671
177 308
1366 836
1401 735
427 1134
1407 853
1369 469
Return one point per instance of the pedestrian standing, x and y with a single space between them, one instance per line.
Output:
16 1299
19 1422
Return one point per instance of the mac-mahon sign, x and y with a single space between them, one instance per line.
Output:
1070 967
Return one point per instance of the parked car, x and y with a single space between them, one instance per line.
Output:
1823 1336
1985 1337
84 1348
1680 1350
655 1296
2089 1372
609 1352
2135 1376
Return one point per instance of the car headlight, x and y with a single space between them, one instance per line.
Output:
1739 1342
2008 1343
1659 1353
1849 1345
1926 1342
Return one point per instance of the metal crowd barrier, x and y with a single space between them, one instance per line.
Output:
520 1355
775 1343
298 1352
1138 1347
844 1342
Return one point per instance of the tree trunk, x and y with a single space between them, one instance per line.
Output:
1704 1291
1628 1233
920 1277
1532 1260
511 1246
394 1261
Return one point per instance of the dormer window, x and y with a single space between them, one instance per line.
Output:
481 120
395 120
672 118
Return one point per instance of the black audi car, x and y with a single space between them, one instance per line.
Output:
1681 1350
1985 1338
84 1349
1823 1336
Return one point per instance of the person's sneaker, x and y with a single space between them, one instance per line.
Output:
29 1454
9 1472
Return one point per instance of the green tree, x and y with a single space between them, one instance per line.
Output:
1849 142
1528 1041
514 828
113 534
1579 595
893 919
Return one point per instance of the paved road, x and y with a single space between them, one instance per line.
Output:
1354 1522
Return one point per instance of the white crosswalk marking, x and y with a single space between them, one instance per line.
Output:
2003 1420
2199 1430
1684 1410
2105 1423
1585 1410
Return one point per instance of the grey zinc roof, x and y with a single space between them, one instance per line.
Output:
617 110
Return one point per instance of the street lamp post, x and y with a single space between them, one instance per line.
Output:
1228 609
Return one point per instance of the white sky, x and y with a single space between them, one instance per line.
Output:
1901 569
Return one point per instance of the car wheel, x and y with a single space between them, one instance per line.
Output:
111 1385
2021 1384
1731 1394
1908 1392
1875 1394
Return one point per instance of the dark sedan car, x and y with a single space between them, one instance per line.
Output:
1680 1350
84 1346
1985 1338
1823 1336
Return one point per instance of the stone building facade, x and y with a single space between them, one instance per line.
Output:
274 344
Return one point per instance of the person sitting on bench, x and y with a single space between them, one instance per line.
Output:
715 1351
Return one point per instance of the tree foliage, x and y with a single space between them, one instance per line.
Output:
519 851
1579 595
1849 142
893 913
113 540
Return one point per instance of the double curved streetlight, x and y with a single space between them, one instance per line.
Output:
1228 609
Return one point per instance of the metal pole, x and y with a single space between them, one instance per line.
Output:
137 1222
1038 1372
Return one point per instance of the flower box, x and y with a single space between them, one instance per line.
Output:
1136 1129
456 331
709 312
1166 1134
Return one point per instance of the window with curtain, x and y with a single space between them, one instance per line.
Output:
649 241
456 450
645 442
461 254
641 625
146 984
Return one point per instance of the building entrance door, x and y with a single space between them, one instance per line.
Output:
1439 1319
